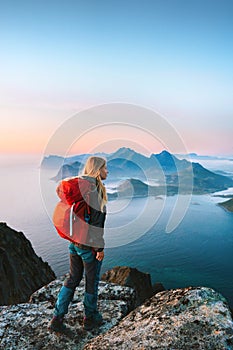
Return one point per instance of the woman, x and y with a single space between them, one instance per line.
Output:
88 256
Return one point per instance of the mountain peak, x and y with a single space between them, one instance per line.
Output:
165 153
165 156
125 150
127 153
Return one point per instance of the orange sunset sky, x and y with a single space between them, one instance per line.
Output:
173 57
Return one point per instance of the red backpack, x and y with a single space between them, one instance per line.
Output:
72 214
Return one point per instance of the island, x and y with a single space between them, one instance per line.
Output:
228 205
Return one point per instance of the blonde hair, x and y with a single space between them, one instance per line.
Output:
92 168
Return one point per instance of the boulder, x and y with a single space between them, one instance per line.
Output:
24 326
22 271
131 277
189 318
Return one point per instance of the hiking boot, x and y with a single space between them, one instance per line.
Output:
57 325
92 321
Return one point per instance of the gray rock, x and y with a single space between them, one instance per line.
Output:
189 318
24 326
131 277
22 271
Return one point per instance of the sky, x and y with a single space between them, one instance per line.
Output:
174 57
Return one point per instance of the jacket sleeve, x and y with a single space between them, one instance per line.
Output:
96 223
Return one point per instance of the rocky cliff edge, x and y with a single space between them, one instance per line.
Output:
189 318
22 271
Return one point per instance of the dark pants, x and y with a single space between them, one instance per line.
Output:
80 260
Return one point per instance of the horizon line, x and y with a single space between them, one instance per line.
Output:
40 154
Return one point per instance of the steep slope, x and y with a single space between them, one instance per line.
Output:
22 271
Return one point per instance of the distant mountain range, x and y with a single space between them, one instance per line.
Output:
203 157
169 172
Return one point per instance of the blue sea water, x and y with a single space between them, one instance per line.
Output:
198 252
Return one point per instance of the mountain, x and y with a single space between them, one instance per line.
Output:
202 157
137 188
166 169
206 181
169 163
125 162
224 173
120 167
52 161
81 158
228 205
133 187
68 170
130 155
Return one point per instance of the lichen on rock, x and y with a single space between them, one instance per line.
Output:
180 319
24 326
189 318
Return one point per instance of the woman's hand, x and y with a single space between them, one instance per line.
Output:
100 255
